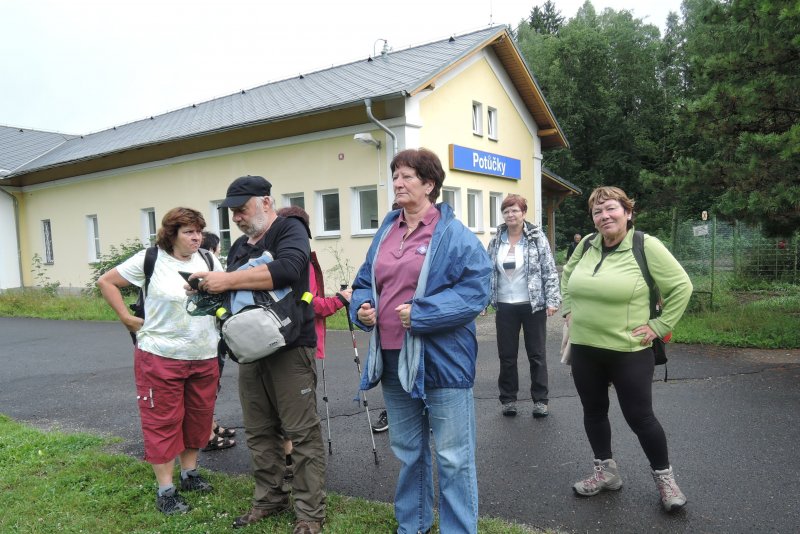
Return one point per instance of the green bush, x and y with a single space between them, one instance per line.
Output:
114 257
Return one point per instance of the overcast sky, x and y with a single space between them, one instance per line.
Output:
80 66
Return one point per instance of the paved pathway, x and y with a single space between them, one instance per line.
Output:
732 418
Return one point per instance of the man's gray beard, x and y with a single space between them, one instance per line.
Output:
256 227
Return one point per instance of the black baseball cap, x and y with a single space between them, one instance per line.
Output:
244 187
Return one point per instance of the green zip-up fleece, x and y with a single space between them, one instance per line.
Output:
609 298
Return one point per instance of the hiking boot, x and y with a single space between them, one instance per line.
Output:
171 502
195 483
672 498
257 514
382 424
539 410
605 477
510 409
307 527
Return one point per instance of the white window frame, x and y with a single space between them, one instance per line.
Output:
456 199
355 212
321 231
287 200
93 238
149 226
477 118
47 239
491 123
475 205
224 234
495 214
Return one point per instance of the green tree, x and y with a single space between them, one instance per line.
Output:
743 116
545 19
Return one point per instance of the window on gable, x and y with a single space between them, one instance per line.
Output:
477 118
491 124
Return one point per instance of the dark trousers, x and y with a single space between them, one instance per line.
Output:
632 375
508 320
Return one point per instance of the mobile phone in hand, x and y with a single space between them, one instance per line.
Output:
193 283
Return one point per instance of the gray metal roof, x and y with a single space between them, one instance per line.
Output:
19 146
395 73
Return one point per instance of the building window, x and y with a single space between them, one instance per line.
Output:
491 124
495 216
221 225
450 196
328 223
93 232
294 199
477 118
47 236
365 210
149 228
474 210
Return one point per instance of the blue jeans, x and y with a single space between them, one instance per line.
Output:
450 413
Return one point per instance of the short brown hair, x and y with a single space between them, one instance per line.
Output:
426 163
172 222
294 211
514 200
605 192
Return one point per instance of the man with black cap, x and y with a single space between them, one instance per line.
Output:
278 392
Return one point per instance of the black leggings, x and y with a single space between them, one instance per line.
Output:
632 375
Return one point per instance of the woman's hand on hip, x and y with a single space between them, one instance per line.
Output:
366 314
647 333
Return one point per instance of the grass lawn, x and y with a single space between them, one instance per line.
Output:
56 482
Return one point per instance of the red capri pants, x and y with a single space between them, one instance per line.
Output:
176 403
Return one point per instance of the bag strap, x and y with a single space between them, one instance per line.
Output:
150 257
207 256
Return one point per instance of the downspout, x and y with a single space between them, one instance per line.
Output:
16 227
379 124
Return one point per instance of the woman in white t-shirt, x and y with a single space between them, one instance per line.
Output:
175 359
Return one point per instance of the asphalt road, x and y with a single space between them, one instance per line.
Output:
732 418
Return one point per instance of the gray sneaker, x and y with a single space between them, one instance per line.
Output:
510 409
672 498
171 503
605 477
195 483
539 409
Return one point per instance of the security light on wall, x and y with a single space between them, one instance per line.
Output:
367 139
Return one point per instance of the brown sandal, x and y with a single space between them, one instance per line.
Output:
217 443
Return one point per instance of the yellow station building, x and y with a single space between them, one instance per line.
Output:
323 139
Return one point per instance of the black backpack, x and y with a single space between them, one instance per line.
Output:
659 346
150 257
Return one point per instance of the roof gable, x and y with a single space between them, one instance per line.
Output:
19 146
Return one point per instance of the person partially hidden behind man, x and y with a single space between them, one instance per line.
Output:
277 392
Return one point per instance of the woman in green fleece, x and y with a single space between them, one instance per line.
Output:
606 302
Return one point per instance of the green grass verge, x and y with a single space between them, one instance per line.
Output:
759 318
56 482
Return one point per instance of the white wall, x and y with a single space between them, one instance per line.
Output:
9 257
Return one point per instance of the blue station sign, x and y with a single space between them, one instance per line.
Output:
480 162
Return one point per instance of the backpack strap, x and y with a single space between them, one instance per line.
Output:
206 255
150 257
586 242
641 259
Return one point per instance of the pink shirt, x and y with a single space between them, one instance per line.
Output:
397 270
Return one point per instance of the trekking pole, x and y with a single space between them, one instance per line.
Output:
327 410
363 393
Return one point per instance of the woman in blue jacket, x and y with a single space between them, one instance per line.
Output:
425 279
